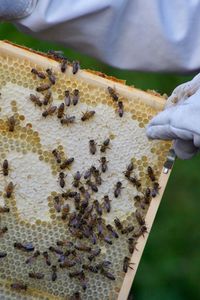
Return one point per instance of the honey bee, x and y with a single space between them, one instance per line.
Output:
92 146
93 269
82 247
113 94
36 275
75 273
49 112
147 196
150 173
5 167
105 145
87 232
132 245
104 165
35 100
54 273
9 189
3 230
47 258
77 178
92 221
67 264
113 232
65 211
88 211
11 123
67 163
118 188
99 225
69 194
107 205
93 238
87 174
28 247
38 73
43 87
64 243
61 179
118 224
127 229
98 207
104 264
155 190
75 66
33 257
120 108
3 254
107 274
61 109
126 264
56 54
4 209
19 286
75 97
51 76
107 239
82 189
82 280
63 65
141 231
94 253
77 233
57 156
93 170
67 98
139 218
129 170
87 115
84 205
47 98
135 182
56 250
68 120
77 200
57 204
97 177
93 186
137 198
76 296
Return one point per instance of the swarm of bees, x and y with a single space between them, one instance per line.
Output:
86 222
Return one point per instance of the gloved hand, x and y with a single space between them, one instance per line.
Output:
180 121
16 9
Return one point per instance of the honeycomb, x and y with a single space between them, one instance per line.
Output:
33 216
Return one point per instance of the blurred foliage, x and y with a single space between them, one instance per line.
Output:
170 265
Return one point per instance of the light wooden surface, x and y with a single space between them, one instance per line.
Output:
128 279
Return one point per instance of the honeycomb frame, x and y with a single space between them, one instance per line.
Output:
153 102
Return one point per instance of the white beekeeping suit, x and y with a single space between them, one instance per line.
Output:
152 35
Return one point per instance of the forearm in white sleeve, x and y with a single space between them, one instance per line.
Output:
156 35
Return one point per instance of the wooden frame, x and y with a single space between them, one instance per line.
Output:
152 100
150 216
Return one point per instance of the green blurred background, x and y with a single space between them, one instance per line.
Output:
170 266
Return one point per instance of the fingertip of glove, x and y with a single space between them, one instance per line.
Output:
185 149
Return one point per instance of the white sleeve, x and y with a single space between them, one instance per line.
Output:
156 35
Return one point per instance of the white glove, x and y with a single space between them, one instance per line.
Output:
180 121
11 9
